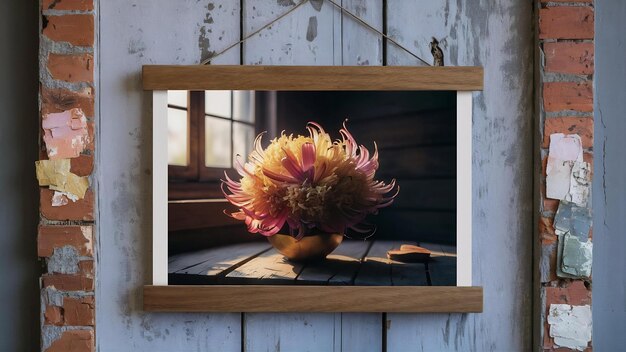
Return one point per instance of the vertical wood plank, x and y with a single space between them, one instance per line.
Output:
132 34
308 36
501 42
304 37
361 46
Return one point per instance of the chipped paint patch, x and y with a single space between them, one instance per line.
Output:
570 326
311 32
577 256
65 133
573 219
56 174
568 176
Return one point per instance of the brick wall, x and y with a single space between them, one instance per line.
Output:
66 230
566 67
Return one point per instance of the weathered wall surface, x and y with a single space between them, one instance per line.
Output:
19 269
496 36
609 203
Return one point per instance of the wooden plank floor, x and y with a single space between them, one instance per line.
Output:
362 263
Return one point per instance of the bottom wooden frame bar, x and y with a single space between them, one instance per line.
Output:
261 298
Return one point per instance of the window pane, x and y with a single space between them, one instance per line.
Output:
217 143
177 97
217 102
243 138
177 137
243 105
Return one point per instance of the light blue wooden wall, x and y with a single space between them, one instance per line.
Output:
609 200
496 35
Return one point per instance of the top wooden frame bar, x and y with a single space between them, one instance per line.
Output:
208 77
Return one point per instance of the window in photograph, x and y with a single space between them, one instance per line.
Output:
207 131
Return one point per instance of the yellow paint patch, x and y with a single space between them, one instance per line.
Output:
56 174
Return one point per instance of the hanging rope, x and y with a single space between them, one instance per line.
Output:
343 10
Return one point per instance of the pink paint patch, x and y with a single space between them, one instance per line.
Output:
65 133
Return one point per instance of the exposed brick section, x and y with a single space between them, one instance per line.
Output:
566 22
79 5
81 209
51 237
59 100
568 96
566 36
79 311
82 165
73 341
71 68
85 267
68 282
569 57
65 236
546 230
74 29
583 126
53 316
574 292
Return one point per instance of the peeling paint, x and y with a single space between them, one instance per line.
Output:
577 256
56 174
573 219
311 32
317 4
568 176
285 2
570 326
65 133
580 182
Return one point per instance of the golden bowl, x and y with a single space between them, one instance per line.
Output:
312 247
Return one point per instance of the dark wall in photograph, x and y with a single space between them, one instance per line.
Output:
416 137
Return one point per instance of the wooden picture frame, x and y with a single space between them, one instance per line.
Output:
261 298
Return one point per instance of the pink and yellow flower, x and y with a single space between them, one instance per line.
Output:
308 182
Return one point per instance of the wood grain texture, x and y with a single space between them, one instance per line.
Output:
237 298
198 214
196 77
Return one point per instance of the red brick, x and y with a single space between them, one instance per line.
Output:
82 165
85 267
82 209
51 237
59 100
71 68
546 230
79 311
53 316
583 126
574 293
567 57
73 341
68 282
561 96
79 5
566 22
74 29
